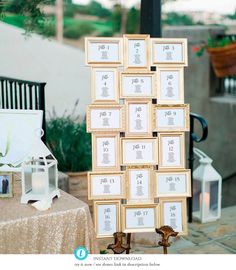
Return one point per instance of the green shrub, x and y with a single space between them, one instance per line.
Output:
49 29
116 19
69 142
76 30
132 24
106 33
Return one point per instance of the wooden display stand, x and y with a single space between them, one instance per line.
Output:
138 121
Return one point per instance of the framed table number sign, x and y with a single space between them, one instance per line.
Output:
171 151
105 85
173 184
170 85
106 218
139 218
173 213
105 152
106 185
136 51
169 51
137 151
140 186
171 118
137 85
104 51
138 118
105 118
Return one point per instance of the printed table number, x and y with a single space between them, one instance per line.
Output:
106 218
106 185
140 218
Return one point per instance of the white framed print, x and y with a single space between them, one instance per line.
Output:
137 151
106 185
136 51
105 118
174 214
171 151
137 85
169 51
170 85
105 87
171 118
106 218
105 152
140 218
173 184
18 133
140 186
102 51
138 118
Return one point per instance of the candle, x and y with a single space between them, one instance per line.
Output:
38 183
206 202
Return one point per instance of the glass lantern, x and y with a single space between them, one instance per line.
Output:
39 174
207 184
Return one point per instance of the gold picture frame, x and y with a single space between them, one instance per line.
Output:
104 45
105 118
172 158
138 85
6 184
140 183
170 84
137 149
138 118
139 57
169 51
106 81
141 217
113 205
105 152
106 185
171 118
169 218
173 183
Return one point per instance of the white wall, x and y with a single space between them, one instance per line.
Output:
39 59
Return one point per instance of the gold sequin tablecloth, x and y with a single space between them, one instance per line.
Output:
59 230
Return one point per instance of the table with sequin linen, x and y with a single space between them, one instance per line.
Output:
59 230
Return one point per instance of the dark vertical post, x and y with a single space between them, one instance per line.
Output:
150 20
42 107
190 165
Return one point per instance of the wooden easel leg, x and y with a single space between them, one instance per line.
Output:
166 232
128 243
118 247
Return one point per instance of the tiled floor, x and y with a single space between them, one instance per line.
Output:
210 238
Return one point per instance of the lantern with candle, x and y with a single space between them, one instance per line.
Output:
39 174
207 185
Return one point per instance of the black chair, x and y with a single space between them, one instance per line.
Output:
26 95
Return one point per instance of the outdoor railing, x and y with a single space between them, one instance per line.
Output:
194 138
20 94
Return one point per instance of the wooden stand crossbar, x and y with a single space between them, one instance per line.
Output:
119 247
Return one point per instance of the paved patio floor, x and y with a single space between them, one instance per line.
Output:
210 238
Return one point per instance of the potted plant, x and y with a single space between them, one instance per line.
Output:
71 144
222 53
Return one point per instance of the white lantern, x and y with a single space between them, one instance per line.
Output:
39 174
207 185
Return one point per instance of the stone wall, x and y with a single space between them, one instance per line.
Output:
219 112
